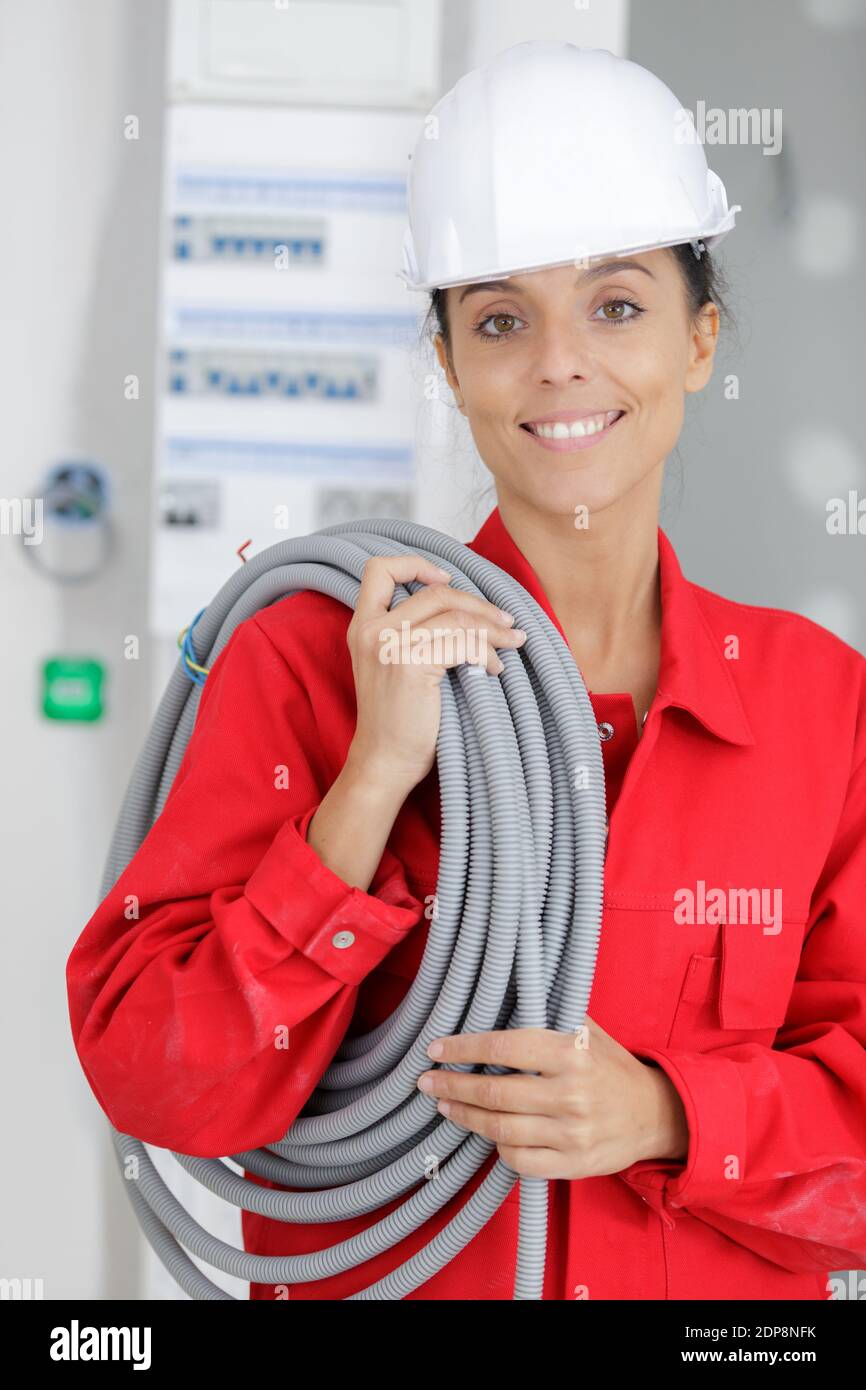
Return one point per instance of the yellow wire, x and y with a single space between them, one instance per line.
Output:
191 664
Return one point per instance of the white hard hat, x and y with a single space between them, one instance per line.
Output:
551 154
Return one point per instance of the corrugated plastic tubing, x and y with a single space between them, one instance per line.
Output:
512 943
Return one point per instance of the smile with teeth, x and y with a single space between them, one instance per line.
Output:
574 429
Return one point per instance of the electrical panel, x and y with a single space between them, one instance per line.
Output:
287 363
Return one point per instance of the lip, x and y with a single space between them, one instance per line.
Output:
567 416
567 446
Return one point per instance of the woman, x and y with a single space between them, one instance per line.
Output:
710 1141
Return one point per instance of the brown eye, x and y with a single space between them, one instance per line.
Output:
503 327
620 306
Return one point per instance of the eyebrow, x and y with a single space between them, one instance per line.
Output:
592 273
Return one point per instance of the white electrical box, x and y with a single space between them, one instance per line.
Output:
334 52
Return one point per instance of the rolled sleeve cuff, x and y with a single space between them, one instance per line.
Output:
343 929
715 1104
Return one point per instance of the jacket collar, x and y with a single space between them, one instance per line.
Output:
693 673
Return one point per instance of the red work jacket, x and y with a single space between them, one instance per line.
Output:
750 775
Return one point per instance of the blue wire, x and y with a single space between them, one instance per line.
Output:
188 653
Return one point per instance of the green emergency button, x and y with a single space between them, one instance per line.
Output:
73 689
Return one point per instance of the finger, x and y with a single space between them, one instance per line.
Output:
530 1131
478 654
382 573
455 640
515 1093
438 598
537 1163
528 1049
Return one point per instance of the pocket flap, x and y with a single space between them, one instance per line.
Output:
758 973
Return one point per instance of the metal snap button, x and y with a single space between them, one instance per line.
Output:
342 939
605 731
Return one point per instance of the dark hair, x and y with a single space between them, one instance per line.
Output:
701 276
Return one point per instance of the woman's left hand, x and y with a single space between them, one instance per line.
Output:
593 1107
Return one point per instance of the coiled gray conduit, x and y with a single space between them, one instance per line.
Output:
513 941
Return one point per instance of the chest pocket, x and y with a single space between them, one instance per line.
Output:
745 989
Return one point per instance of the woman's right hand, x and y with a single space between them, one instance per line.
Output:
398 669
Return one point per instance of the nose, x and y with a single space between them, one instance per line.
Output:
563 352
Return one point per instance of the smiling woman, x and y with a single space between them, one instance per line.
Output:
575 414
704 1129
659 293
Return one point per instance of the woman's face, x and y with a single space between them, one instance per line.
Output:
570 343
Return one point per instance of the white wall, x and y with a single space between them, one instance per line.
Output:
78 247
755 472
